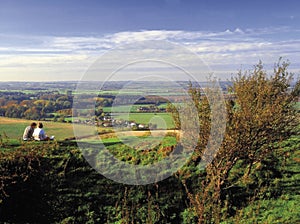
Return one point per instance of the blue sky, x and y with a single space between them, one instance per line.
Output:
59 40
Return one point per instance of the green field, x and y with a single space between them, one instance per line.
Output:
162 120
122 109
13 128
128 108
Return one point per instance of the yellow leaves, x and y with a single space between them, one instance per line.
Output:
40 102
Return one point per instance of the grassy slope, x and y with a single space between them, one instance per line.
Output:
14 128
284 209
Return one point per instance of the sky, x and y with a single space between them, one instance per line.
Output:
61 40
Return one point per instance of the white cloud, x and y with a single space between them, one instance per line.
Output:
68 57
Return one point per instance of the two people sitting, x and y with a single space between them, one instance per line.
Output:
35 132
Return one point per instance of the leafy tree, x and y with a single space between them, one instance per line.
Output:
261 114
32 114
174 111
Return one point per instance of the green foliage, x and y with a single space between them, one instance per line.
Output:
60 186
261 115
282 210
189 216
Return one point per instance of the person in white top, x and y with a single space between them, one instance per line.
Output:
39 134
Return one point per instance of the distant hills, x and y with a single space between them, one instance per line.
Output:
111 85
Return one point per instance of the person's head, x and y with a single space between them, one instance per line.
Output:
40 125
33 125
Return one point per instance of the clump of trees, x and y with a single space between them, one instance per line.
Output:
33 106
42 105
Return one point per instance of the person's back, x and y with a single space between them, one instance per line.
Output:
39 134
28 132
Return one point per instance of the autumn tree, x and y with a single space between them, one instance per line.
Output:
260 115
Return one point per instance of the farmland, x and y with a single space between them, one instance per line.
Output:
162 120
36 102
13 129
253 178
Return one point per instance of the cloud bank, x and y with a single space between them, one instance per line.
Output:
55 58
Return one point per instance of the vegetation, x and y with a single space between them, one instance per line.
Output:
13 128
254 177
162 120
261 116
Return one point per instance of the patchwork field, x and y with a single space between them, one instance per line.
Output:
162 120
14 128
